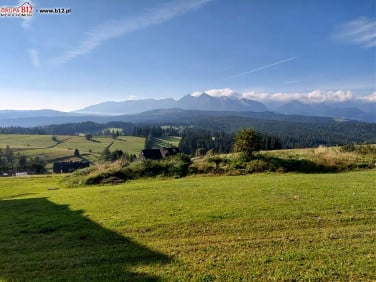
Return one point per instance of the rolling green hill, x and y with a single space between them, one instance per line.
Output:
292 131
63 148
166 141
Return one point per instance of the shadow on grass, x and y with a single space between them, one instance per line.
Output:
40 240
296 165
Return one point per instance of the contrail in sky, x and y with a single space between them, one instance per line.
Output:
112 29
264 67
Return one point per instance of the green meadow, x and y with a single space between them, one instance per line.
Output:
258 227
166 141
62 149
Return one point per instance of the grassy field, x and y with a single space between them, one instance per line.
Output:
316 227
63 149
167 141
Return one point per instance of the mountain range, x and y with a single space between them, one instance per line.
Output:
144 110
203 102
355 109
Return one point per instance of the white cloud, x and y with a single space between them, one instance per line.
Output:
196 94
284 97
254 95
221 92
224 92
361 31
330 96
316 96
34 57
113 29
370 98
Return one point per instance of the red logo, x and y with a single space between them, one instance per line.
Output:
25 10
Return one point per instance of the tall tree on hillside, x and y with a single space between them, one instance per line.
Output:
22 162
2 161
37 164
9 158
149 140
106 155
247 141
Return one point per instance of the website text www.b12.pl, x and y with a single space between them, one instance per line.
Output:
54 11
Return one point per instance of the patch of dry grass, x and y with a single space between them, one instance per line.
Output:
363 156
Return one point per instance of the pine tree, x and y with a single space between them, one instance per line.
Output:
247 141
106 155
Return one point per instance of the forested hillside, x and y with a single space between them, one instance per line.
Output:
291 131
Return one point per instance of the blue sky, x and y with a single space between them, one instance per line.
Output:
116 50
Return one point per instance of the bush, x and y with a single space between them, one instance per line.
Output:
153 168
259 166
118 172
180 168
201 168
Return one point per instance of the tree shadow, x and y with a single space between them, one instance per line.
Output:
296 165
40 240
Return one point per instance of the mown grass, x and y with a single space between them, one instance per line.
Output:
129 144
26 141
166 141
63 148
316 227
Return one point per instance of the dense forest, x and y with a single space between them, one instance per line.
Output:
199 141
216 131
10 162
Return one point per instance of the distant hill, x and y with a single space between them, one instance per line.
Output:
128 107
15 114
294 131
44 118
354 111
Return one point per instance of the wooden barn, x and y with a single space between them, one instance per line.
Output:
157 154
66 167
